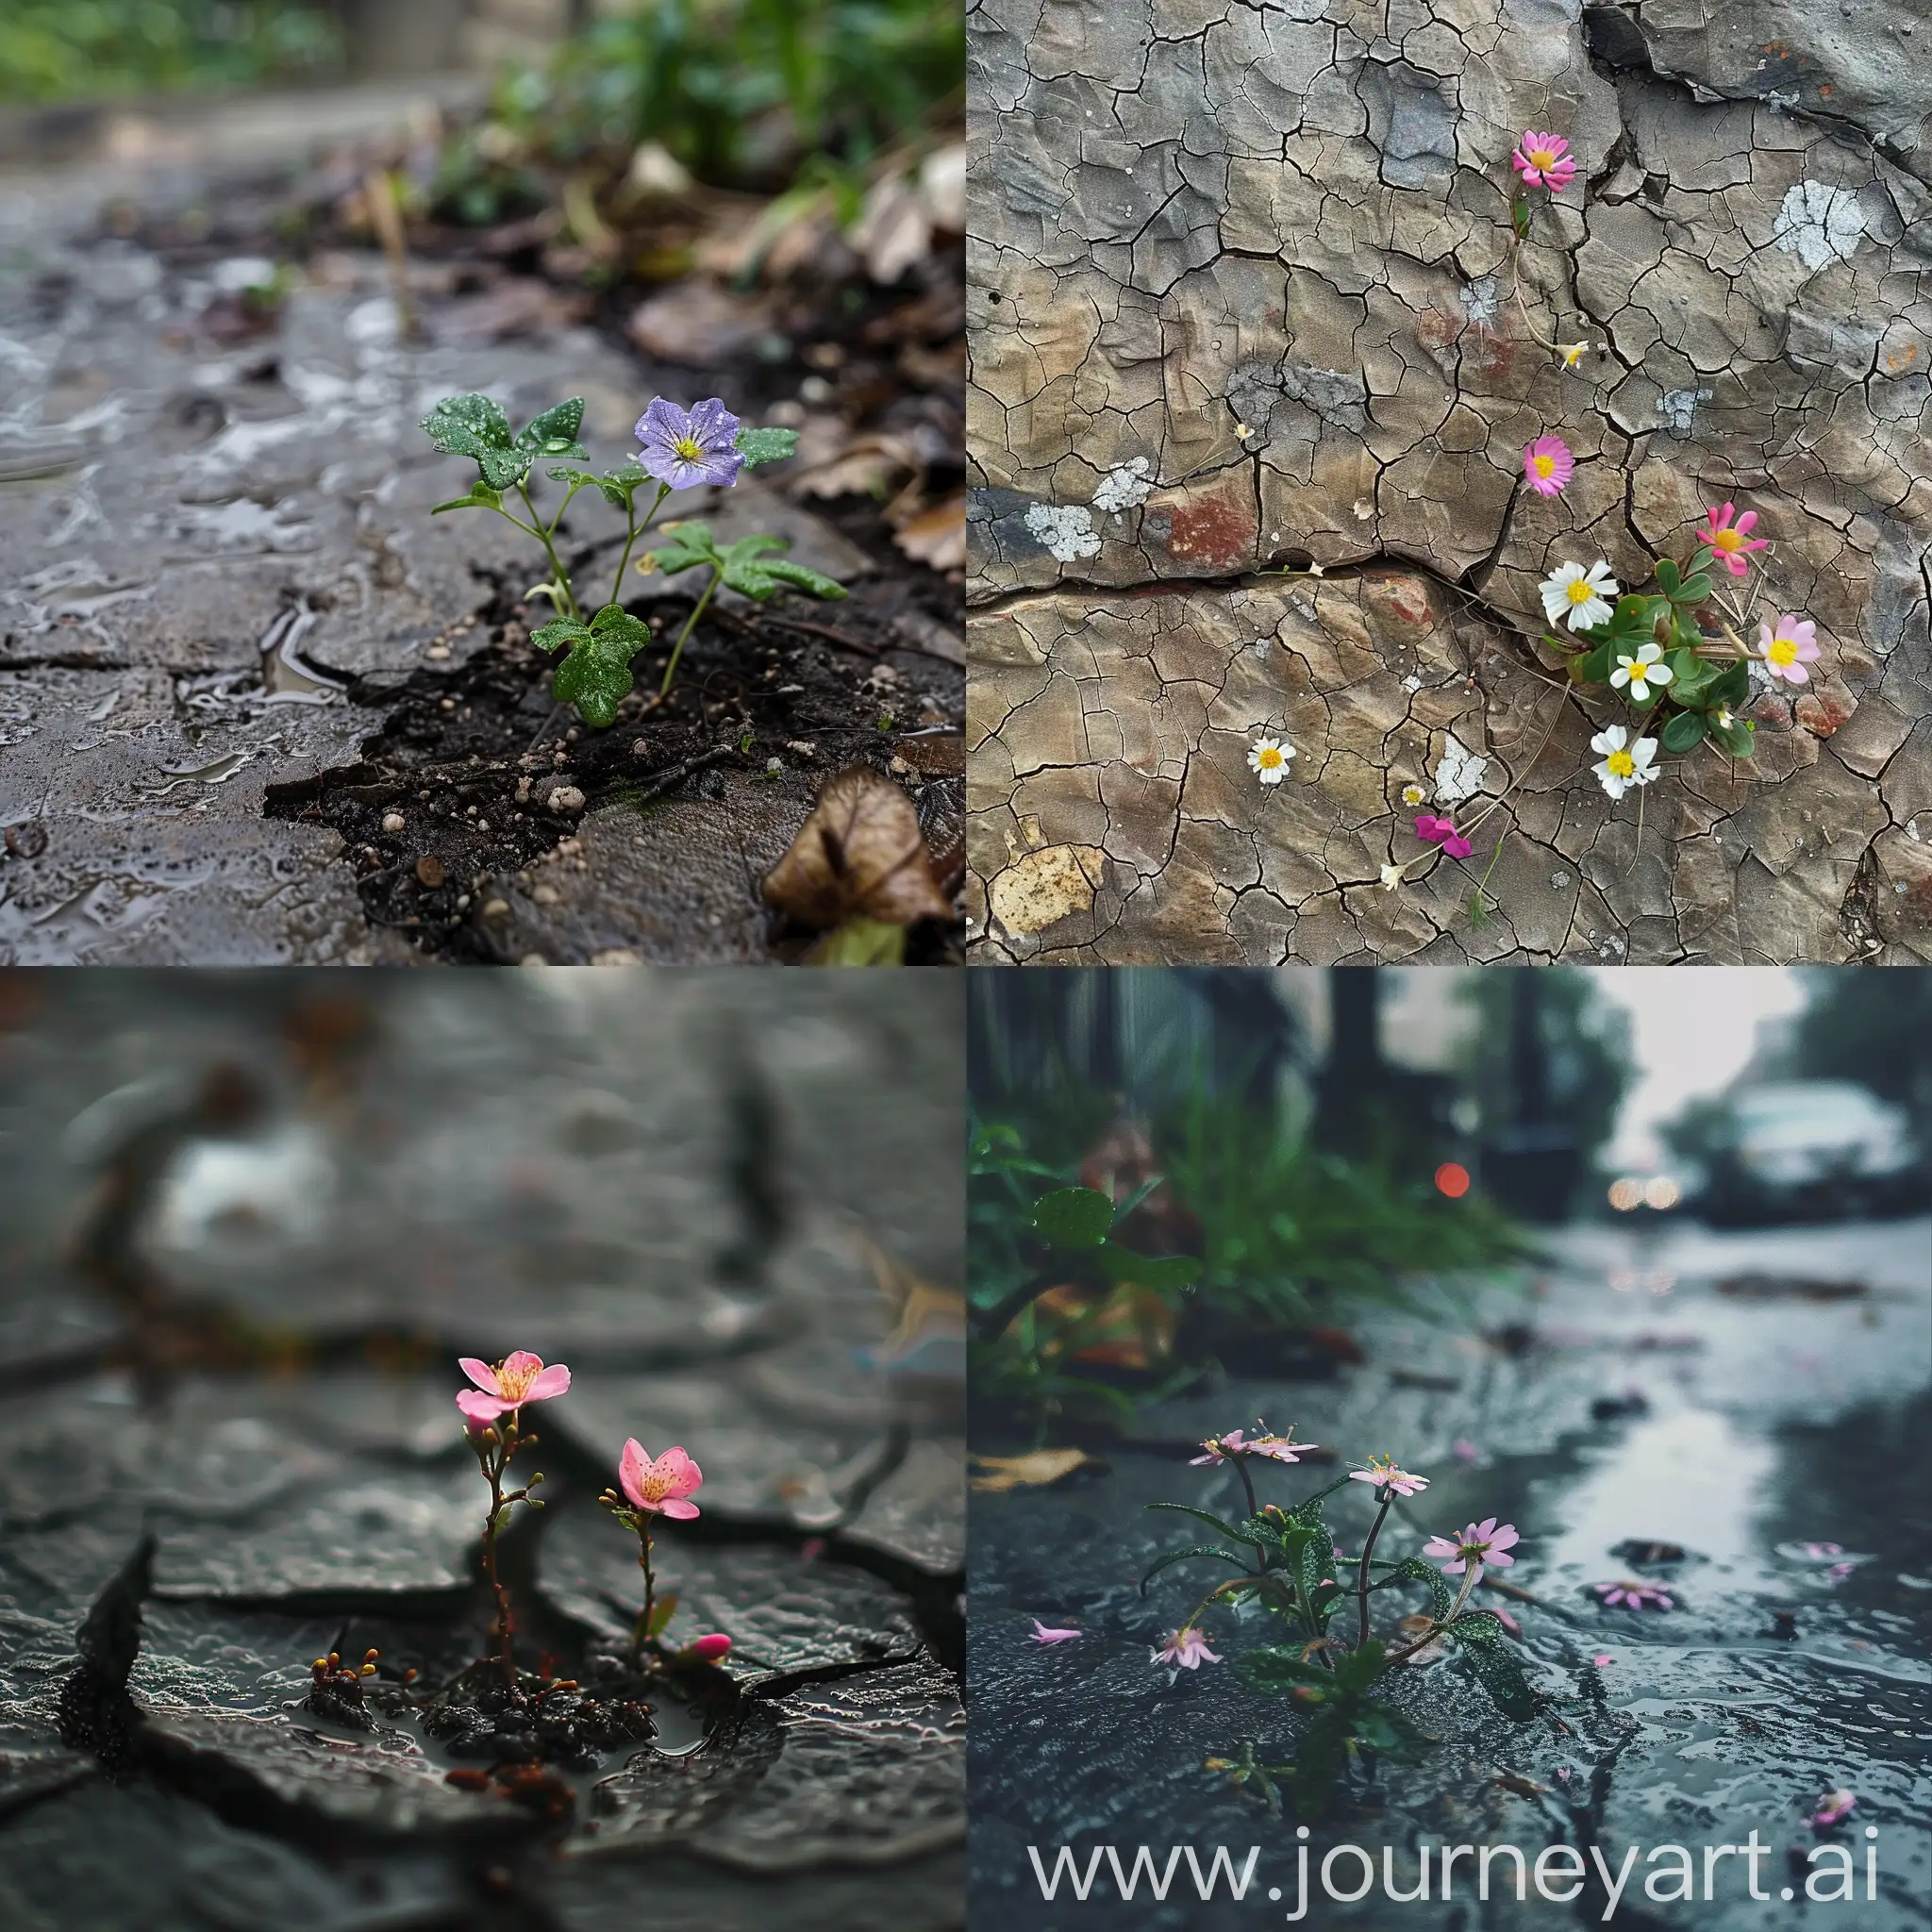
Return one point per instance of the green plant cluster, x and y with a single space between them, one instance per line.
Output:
68 49
1287 1564
1695 704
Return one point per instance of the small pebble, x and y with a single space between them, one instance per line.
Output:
449 704
497 908
462 902
393 821
566 799
547 895
429 870
522 791
437 651
482 824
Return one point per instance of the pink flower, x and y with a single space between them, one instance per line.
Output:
1727 542
502 1390
1465 1450
1833 1806
1818 1550
1787 650
1188 1648
1547 465
1632 1596
1434 831
1839 1570
1277 1448
712 1649
1544 160
1481 1545
660 1487
1382 1472
1508 1622
1044 1634
1600 1660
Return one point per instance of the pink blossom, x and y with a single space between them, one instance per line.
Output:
1728 541
1833 1806
1188 1648
1547 465
1786 651
1465 1450
660 1487
1044 1634
1434 831
1544 160
1839 1570
1632 1596
712 1649
1818 1550
1382 1472
1600 1660
518 1378
1277 1448
1481 1545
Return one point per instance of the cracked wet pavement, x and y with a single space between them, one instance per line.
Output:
1239 301
1653 1405
685 1193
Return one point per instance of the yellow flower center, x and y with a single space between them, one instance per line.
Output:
1540 157
512 1384
1621 764
1543 465
1581 591
1271 759
1782 651
1727 540
689 448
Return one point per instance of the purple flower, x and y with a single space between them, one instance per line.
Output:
1276 1448
687 447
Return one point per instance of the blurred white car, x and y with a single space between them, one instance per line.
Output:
1813 1148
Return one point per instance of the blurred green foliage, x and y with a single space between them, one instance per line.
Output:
68 49
750 92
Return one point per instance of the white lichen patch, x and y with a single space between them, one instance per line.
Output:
1126 486
1819 224
1066 529
1458 773
1677 408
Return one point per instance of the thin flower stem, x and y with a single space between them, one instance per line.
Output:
1469 1575
637 530
640 1636
1361 1581
498 1457
1240 1469
689 624
560 576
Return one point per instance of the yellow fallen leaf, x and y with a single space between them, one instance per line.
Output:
1032 1471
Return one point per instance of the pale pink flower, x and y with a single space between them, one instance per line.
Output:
1632 1596
1818 1550
1382 1472
1547 465
1465 1450
1044 1634
1508 1622
1787 650
1833 1806
660 1487
1186 1648
518 1378
712 1649
1544 160
1728 541
1481 1545
1277 1448
1600 1660
1839 1570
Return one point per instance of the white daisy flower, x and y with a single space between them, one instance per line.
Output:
1413 795
1268 760
1623 764
1580 597
1642 673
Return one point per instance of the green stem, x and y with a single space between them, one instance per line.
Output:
642 1634
498 1461
637 530
689 624
1362 1580
559 576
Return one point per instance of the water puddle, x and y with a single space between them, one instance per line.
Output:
287 677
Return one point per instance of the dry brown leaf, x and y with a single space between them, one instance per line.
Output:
859 852
1034 1471
700 324
937 536
870 466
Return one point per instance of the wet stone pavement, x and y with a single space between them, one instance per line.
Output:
1654 1405
702 1206
218 573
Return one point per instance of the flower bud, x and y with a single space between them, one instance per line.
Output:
712 1649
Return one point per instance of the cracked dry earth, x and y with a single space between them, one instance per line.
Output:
1193 219
671 1192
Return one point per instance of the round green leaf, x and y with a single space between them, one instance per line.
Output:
1682 732
1072 1219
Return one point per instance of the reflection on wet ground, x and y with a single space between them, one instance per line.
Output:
1759 1460
675 1184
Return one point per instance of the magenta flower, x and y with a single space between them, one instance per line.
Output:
518 1378
1382 1472
1787 650
1186 1648
1600 1660
1434 831
1481 1545
1632 1596
659 1487
1833 1806
1044 1634
1818 1551
1276 1448
1728 541
1547 465
686 447
1544 160
713 1649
